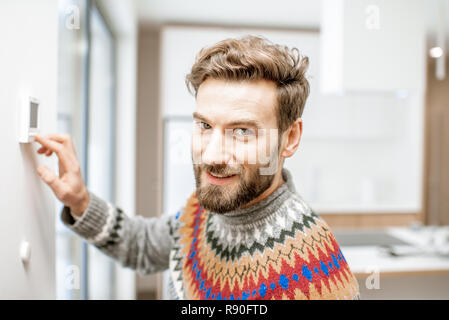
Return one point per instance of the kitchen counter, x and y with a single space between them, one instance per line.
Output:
420 271
420 250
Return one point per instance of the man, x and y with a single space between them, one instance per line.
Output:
245 233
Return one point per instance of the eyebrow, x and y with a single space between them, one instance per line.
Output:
239 122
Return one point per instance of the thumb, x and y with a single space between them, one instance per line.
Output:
50 178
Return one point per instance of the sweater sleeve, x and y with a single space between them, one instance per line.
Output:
140 243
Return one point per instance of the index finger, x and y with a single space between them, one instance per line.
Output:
57 148
63 138
59 137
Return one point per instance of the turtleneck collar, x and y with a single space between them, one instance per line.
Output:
263 208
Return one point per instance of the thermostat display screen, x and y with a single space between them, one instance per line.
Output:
33 114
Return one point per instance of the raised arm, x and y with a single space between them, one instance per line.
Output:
142 244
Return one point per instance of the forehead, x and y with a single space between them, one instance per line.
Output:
224 101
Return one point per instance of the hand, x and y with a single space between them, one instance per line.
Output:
69 186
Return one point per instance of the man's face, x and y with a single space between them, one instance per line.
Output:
234 148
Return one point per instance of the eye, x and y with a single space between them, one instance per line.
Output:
203 125
243 132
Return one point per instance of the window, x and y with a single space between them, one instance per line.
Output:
86 111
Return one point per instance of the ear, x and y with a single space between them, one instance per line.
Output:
292 139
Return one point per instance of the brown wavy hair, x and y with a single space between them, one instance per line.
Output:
256 58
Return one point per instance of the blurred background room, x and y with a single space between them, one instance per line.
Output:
373 159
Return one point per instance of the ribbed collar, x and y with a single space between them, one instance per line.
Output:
263 208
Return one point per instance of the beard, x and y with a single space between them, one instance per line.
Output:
225 198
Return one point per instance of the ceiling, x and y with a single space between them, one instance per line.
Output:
285 14
256 13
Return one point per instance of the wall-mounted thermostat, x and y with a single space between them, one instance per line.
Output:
29 120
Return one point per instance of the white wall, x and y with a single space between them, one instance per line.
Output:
28 64
372 45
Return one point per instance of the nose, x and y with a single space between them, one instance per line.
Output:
214 151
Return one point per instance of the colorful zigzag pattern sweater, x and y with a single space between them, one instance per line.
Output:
276 249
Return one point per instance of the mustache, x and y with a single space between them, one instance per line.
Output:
222 169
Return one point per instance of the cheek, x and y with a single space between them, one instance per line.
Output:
196 148
255 153
267 148
246 153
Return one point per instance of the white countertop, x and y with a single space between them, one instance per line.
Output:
430 240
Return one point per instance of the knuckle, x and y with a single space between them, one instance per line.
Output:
49 178
58 148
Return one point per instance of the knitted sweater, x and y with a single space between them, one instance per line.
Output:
277 248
